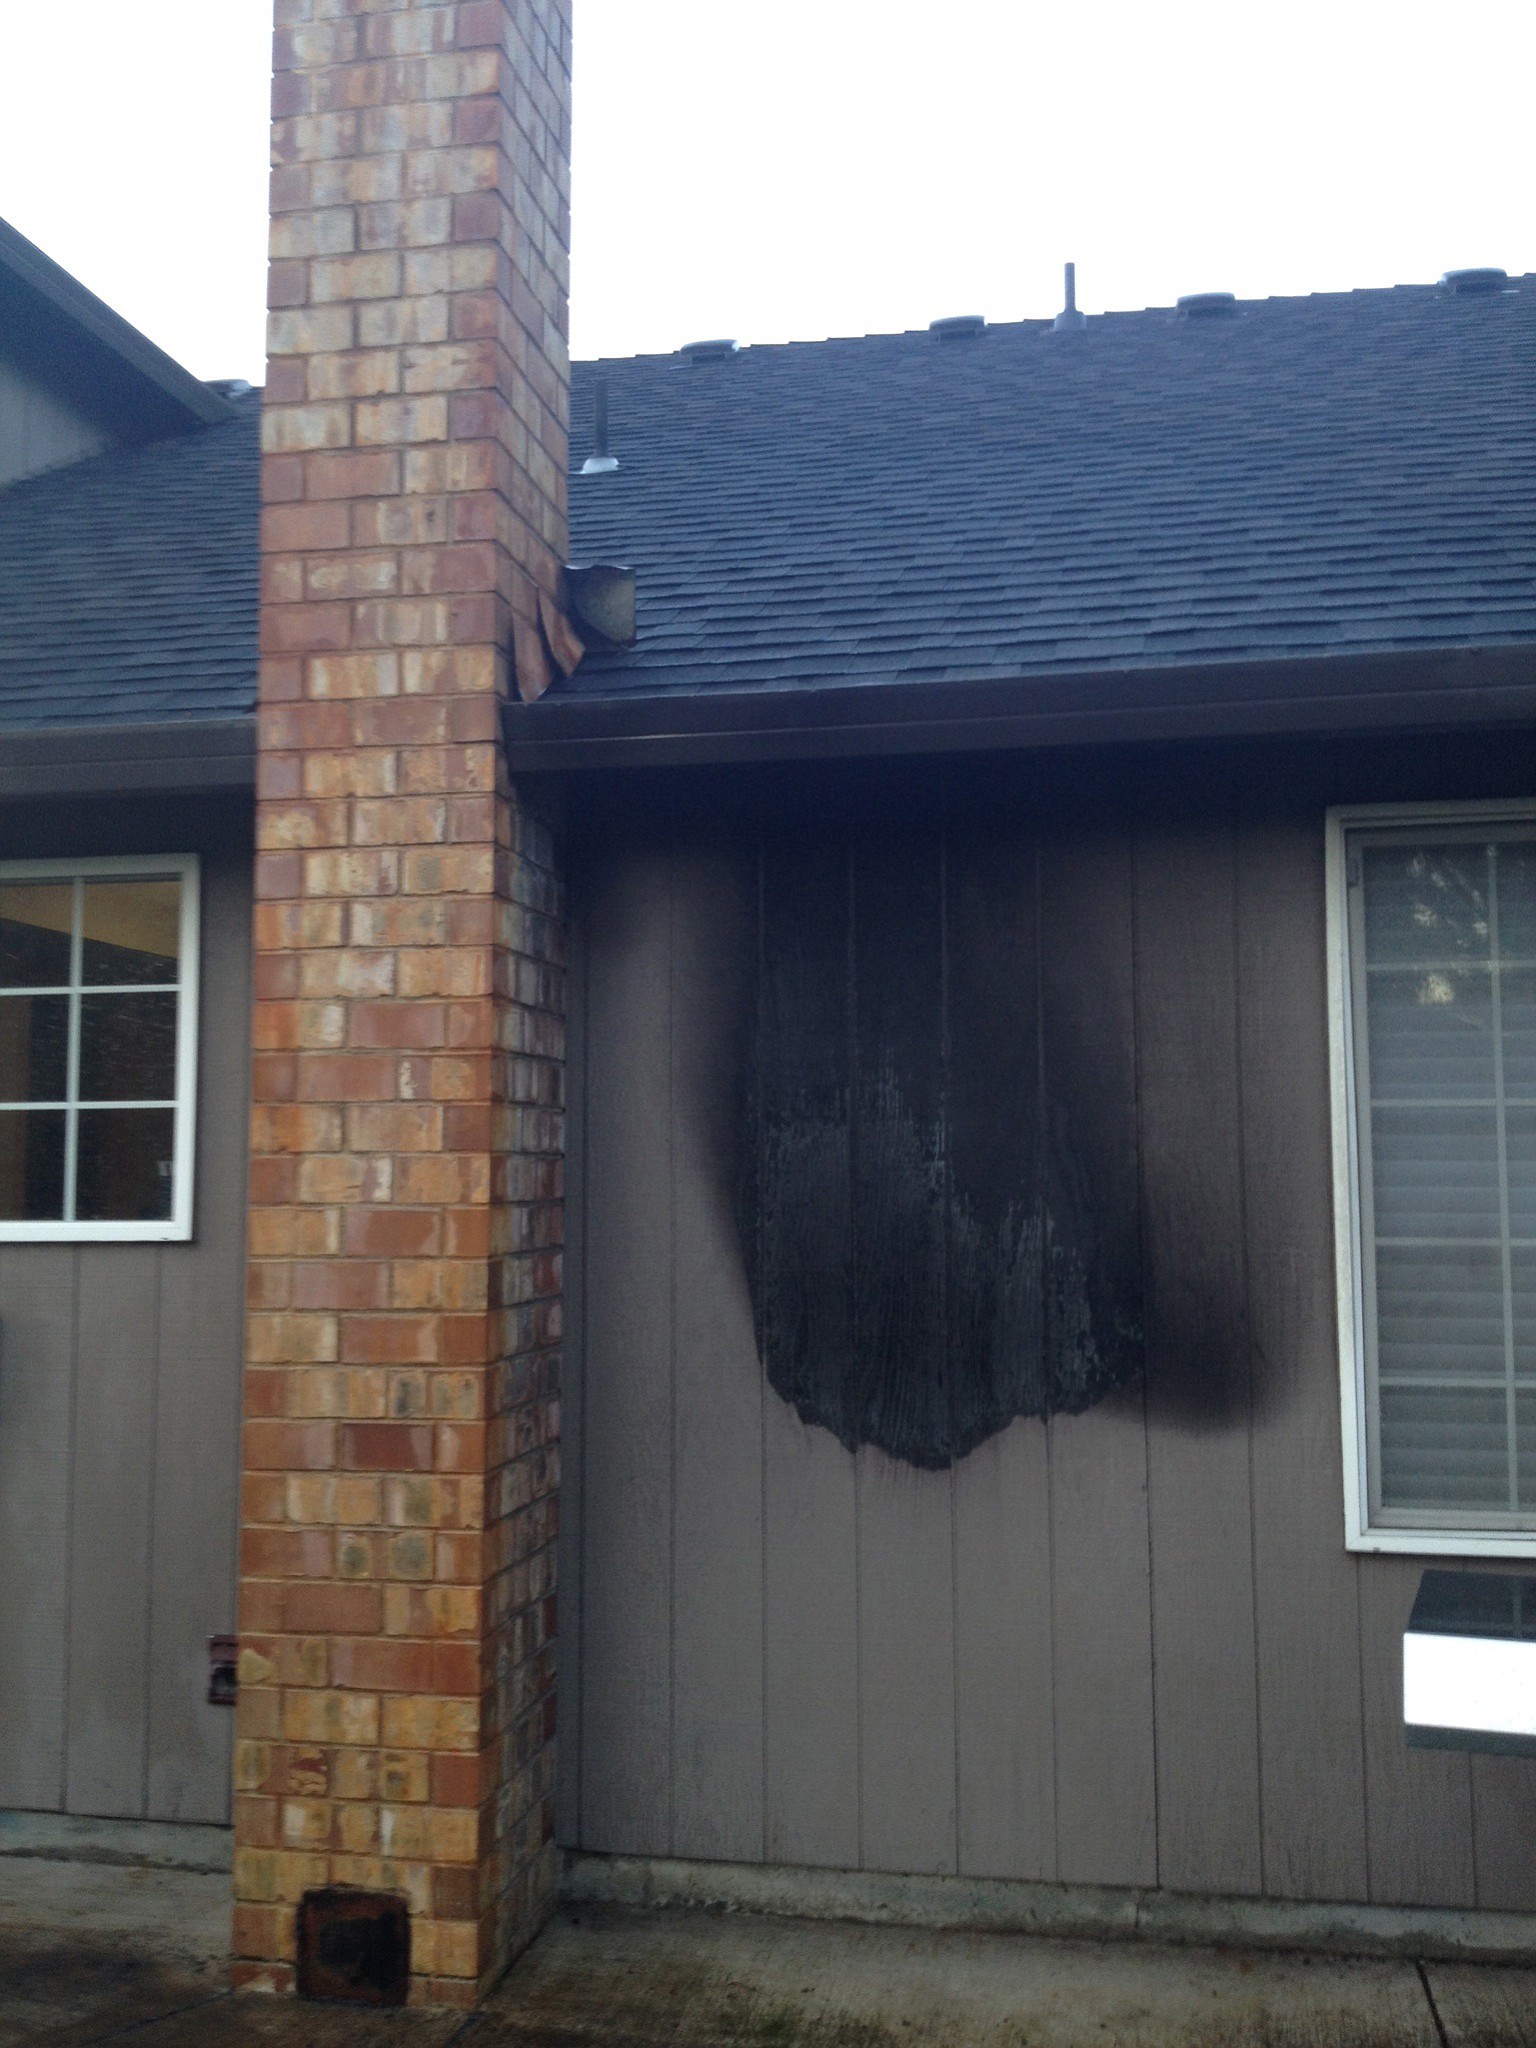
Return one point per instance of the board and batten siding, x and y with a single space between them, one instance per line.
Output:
1123 1648
119 1420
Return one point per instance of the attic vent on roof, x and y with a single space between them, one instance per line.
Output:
958 327
1209 306
708 351
1471 284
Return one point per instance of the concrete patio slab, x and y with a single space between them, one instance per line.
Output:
1483 2008
694 1980
94 1956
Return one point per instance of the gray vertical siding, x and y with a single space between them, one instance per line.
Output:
1127 1647
38 428
119 1420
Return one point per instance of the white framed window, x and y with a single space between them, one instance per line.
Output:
1432 996
98 1048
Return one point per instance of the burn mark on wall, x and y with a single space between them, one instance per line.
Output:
939 1187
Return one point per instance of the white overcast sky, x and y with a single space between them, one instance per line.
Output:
822 167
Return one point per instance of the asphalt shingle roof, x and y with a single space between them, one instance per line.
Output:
1350 473
128 583
1341 474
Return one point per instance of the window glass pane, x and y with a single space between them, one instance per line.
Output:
1444 1447
1520 1152
127 1047
1431 1033
1517 899
1436 1173
31 1165
1440 1313
1517 997
1426 902
34 1048
124 1166
35 923
1522 1264
1451 1059
131 931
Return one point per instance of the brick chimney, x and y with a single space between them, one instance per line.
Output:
396 1718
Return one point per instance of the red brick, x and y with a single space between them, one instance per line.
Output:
333 1610
346 1077
385 1446
392 1233
382 1666
306 628
457 1670
374 473
289 1446
458 1780
340 1284
301 528
287 1554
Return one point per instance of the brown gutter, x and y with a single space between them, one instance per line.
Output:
1425 690
188 757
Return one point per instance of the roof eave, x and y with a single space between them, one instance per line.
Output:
188 756
1423 689
58 296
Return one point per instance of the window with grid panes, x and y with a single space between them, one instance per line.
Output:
1439 1019
97 1048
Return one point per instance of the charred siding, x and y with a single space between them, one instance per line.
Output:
939 1197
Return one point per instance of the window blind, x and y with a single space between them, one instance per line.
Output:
1443 956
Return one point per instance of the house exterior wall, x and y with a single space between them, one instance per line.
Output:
1124 1648
39 429
119 1416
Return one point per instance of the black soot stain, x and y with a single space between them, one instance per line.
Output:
939 1236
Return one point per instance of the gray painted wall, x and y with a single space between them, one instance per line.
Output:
119 1421
39 429
1126 1648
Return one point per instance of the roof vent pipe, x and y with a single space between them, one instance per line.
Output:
1069 320
1208 306
600 462
1468 284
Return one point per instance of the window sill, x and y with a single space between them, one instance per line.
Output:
95 1233
1444 1542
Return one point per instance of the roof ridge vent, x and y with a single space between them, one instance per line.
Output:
1208 305
1471 284
958 327
1069 320
709 351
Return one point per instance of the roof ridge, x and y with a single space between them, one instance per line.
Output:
1429 292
